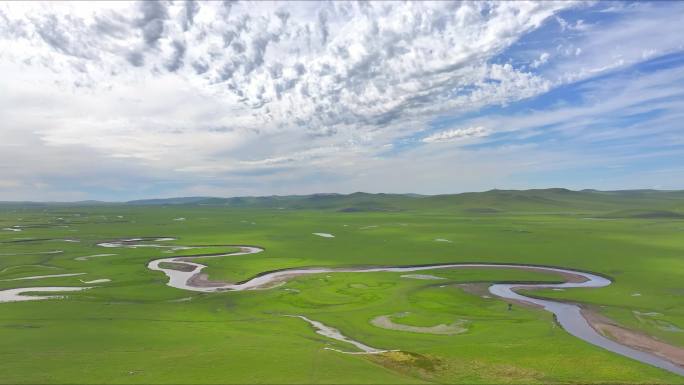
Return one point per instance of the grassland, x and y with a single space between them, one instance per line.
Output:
135 329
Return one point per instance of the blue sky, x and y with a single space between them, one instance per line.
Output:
154 99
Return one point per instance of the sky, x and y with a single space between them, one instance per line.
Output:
128 100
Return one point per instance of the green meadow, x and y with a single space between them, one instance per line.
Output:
135 329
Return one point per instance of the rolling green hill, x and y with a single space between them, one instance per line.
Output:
643 202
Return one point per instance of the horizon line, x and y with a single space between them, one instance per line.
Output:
96 201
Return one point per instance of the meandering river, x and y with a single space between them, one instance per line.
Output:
568 315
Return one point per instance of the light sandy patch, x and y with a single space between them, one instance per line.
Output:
17 295
650 313
179 219
103 280
87 257
36 253
385 322
20 266
421 276
12 229
479 289
272 285
185 299
41 277
202 280
652 318
109 244
633 338
368 227
335 334
324 235
668 327
131 243
180 266
443 240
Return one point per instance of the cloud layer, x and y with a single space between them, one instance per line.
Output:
254 98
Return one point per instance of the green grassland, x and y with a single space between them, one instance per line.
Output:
135 329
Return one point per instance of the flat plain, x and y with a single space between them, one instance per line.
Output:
130 327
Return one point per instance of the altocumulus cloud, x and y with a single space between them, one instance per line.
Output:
323 88
297 65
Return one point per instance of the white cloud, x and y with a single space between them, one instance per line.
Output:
308 155
543 58
644 30
457 134
607 116
579 25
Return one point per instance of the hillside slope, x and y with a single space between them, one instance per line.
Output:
627 203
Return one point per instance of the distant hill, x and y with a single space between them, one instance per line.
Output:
47 204
345 202
634 204
628 203
170 201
